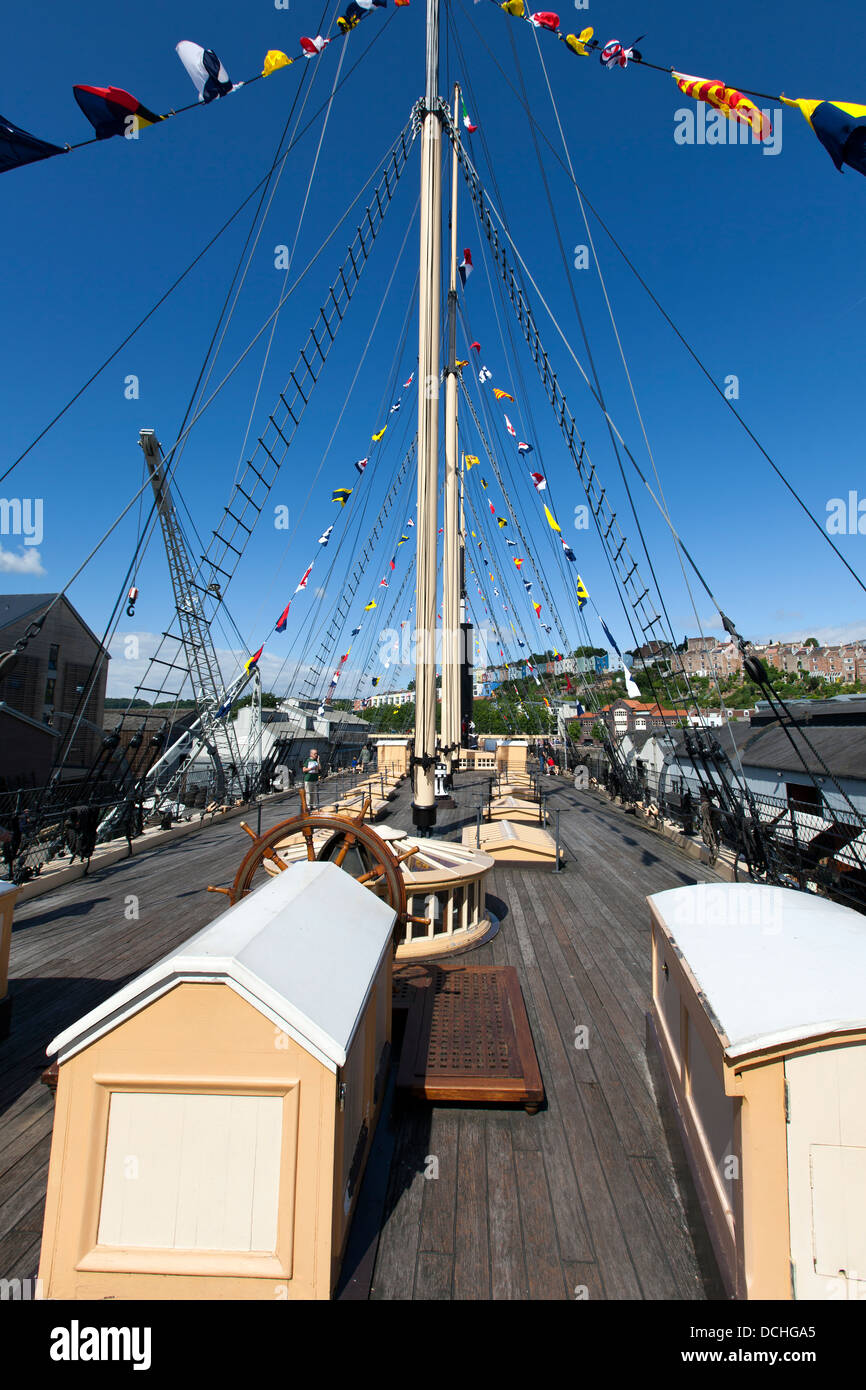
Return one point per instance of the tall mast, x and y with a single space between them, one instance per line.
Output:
424 804
451 556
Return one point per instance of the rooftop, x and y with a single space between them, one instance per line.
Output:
736 936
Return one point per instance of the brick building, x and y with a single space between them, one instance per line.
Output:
46 682
629 717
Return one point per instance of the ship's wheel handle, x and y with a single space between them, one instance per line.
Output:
380 867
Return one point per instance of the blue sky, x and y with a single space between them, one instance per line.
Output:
754 256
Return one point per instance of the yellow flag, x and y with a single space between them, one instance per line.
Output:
554 525
502 395
275 59
514 7
577 43
368 606
377 437
471 460
582 594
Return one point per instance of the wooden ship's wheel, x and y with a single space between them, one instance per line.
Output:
343 840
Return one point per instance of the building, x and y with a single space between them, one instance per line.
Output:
631 716
391 698
834 756
297 725
63 663
27 750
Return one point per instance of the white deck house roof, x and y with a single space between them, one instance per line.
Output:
303 949
776 966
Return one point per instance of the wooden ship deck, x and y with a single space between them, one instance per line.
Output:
588 1198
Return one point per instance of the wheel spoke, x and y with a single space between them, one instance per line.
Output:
377 871
308 836
343 851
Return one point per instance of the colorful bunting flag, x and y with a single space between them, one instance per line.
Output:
377 437
361 464
303 584
112 111
282 620
511 430
253 661
355 12
465 268
325 536
841 128
582 595
274 59
502 395
613 55
341 495
579 43
466 121
610 638
539 481
312 47
545 19
551 519
207 73
523 447
18 147
725 99
632 689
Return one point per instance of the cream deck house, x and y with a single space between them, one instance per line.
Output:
214 1116
759 1014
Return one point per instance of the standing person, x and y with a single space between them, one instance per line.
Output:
365 757
312 772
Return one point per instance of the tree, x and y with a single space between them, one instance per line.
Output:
811 642
599 733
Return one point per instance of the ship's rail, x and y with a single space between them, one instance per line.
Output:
792 842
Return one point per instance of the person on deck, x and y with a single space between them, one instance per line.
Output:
312 772
365 757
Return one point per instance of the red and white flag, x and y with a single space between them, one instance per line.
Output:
539 481
511 430
303 583
465 267
313 46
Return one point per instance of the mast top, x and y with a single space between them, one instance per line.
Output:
432 53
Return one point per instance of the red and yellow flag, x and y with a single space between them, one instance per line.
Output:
725 99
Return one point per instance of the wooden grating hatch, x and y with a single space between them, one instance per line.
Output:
468 1038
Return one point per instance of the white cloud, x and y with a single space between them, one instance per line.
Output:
131 653
27 562
827 636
